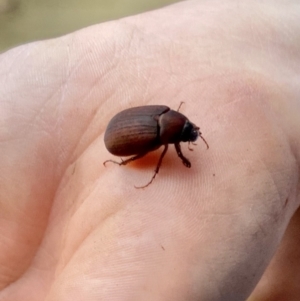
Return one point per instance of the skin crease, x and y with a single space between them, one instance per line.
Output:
225 229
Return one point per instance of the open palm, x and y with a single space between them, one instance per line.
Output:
72 229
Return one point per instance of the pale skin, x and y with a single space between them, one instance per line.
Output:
225 229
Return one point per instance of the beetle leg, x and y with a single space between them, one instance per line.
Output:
190 142
157 167
185 161
180 106
189 146
124 162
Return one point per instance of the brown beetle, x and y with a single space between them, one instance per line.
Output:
140 130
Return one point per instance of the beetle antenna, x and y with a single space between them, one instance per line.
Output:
200 135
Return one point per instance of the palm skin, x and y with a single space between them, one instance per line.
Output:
221 230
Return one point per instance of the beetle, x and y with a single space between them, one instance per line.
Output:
140 130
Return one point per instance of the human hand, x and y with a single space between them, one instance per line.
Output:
75 230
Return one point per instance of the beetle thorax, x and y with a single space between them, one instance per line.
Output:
174 127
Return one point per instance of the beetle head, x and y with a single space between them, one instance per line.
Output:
191 132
